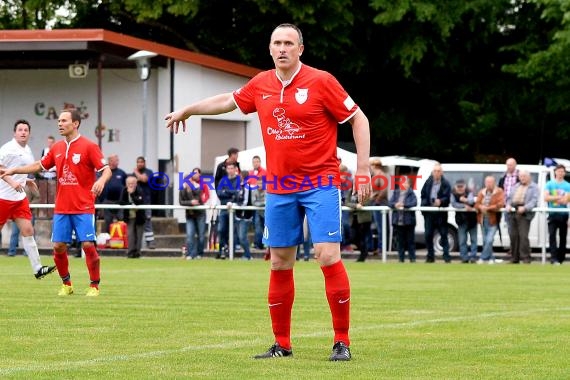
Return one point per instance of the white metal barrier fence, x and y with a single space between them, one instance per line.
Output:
383 209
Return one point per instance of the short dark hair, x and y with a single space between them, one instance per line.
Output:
75 115
233 151
292 26
139 158
197 169
560 166
254 157
22 121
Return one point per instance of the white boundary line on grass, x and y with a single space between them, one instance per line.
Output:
154 354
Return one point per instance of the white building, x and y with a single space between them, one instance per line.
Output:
43 71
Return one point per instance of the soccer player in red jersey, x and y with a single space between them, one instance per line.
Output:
299 108
76 160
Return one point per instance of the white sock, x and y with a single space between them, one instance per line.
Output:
31 249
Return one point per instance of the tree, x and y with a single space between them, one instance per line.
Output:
29 14
451 55
543 60
445 79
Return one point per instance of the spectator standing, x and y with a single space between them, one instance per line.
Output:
258 170
76 160
221 170
112 193
14 203
244 218
306 243
228 190
489 201
258 200
557 193
521 201
50 173
464 199
300 108
257 173
379 198
511 177
195 194
436 192
507 182
135 218
404 222
345 195
361 222
143 175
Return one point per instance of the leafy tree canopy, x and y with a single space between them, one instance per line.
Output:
447 79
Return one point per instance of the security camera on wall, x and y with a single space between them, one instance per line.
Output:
78 70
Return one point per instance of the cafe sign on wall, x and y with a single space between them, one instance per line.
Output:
52 113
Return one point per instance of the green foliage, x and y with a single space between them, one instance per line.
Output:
545 62
155 9
447 79
419 28
29 14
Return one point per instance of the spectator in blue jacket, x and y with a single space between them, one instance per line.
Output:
464 199
404 222
228 192
436 192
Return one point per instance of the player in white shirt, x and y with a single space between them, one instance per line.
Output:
13 201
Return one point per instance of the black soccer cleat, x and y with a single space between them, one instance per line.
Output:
274 351
340 352
44 271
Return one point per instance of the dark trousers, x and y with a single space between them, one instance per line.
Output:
259 224
558 222
111 214
346 216
362 239
224 228
135 235
406 241
520 246
436 221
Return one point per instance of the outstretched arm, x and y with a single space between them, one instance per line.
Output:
214 105
361 133
27 169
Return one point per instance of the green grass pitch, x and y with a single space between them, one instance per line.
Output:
174 319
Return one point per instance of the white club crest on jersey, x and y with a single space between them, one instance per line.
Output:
76 158
302 95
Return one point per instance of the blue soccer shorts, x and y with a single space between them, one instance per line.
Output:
65 224
284 215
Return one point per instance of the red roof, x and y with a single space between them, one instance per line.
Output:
122 40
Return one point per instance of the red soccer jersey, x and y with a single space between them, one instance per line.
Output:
76 163
299 121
